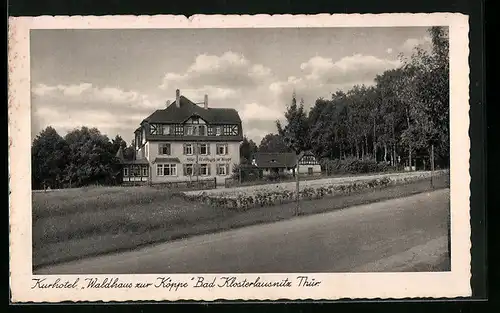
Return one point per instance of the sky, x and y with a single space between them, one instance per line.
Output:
113 79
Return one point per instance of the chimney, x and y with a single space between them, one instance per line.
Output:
168 103
205 102
178 98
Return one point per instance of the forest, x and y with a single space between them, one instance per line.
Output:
401 119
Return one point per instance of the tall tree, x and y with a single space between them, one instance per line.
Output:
129 152
247 148
426 92
49 153
295 132
273 143
118 142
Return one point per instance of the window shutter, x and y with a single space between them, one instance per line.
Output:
159 148
227 169
208 149
225 149
184 170
208 169
184 149
169 149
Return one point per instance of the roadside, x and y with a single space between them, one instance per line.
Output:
142 224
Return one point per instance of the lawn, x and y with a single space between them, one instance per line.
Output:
71 224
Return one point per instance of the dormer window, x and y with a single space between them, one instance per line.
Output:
195 130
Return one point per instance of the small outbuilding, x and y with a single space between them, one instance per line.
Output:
133 171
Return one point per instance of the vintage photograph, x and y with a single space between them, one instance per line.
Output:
242 150
180 150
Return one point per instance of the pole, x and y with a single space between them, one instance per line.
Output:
297 198
432 165
196 147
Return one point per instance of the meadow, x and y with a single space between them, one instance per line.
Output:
74 223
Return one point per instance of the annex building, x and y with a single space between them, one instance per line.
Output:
185 141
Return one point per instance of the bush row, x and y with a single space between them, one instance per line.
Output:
262 198
353 166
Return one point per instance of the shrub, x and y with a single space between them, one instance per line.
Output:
353 166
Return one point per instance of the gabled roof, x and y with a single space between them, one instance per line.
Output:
173 114
275 160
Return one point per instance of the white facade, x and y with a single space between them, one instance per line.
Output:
177 161
310 169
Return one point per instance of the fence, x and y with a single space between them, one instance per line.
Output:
262 180
199 184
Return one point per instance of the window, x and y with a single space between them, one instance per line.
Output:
201 130
166 130
145 171
125 171
135 171
218 131
143 136
188 170
179 130
166 169
189 131
164 148
222 169
204 149
221 149
204 169
188 149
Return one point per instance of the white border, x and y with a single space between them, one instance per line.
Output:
334 286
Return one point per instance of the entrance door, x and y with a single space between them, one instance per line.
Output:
310 170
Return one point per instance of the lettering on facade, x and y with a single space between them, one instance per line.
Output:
208 159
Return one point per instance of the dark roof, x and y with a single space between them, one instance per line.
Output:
275 160
193 138
167 160
173 114
138 161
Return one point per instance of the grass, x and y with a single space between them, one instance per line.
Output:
77 223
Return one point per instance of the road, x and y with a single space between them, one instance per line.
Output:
406 234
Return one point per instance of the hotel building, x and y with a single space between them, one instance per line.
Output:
186 141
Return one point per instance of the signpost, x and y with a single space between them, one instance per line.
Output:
432 165
297 184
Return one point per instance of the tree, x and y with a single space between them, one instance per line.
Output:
295 132
426 92
91 158
247 148
49 153
273 143
129 152
118 142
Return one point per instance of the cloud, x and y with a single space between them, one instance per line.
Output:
389 50
353 68
107 108
255 111
230 69
230 80
322 76
411 43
